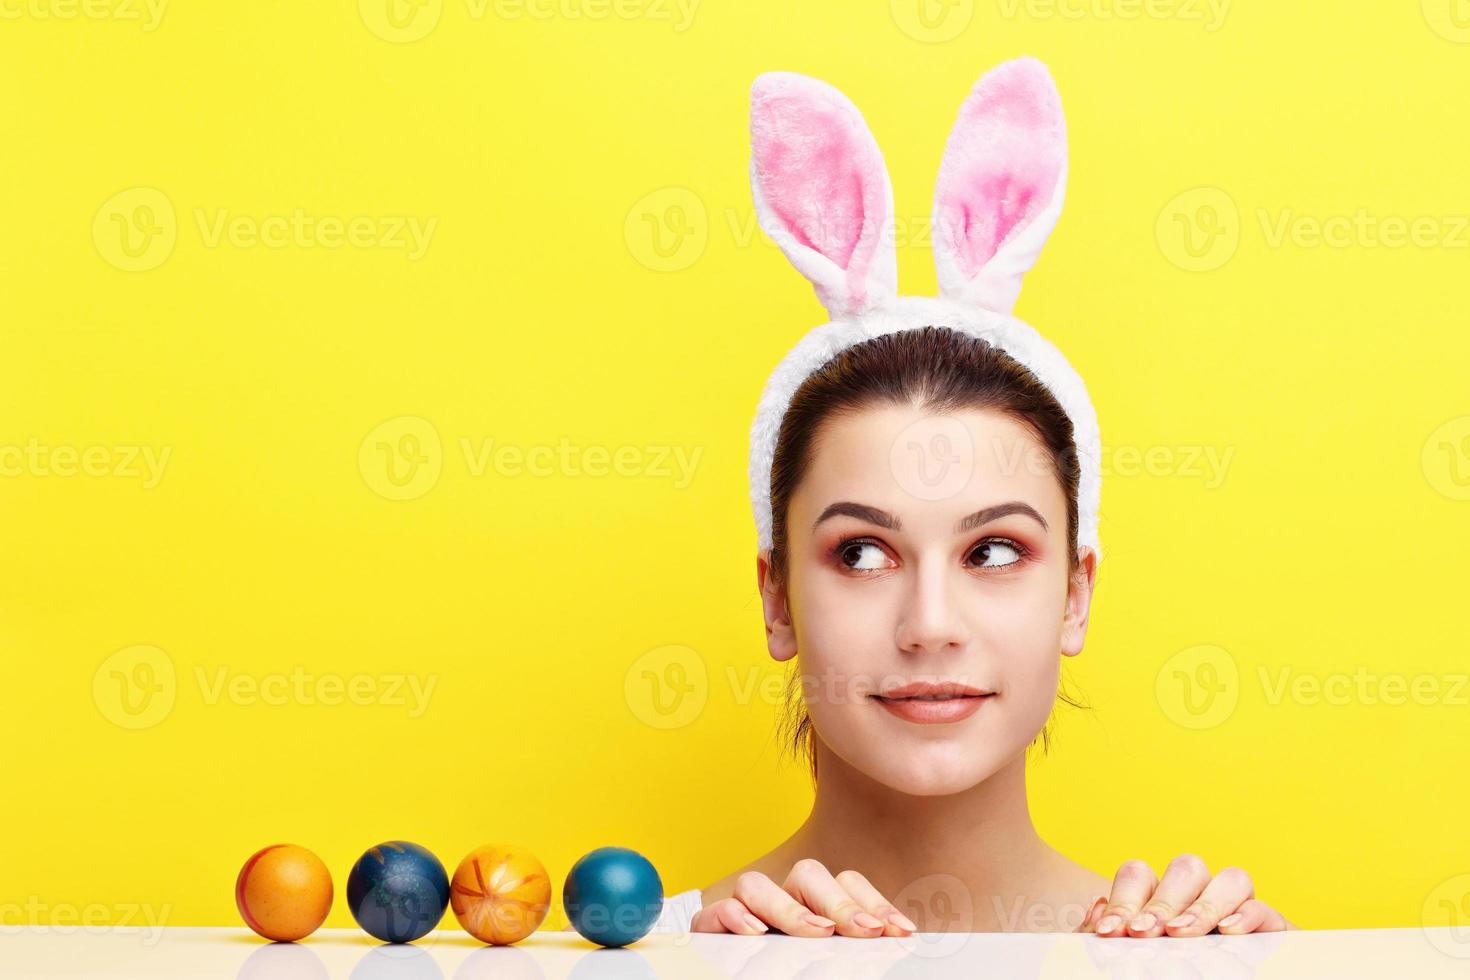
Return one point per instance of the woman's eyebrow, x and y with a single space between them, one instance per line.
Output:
882 518
989 514
862 512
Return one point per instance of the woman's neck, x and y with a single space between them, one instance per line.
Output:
978 848
983 834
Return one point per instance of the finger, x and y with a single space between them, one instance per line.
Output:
774 905
813 885
861 889
1132 886
1184 880
728 915
1094 913
1221 896
1253 915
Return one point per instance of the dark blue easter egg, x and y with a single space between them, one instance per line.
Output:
397 891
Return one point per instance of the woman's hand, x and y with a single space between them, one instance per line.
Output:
1186 902
811 902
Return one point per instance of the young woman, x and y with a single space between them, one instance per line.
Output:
925 475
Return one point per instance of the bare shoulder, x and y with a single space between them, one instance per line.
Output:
1081 883
1065 886
775 865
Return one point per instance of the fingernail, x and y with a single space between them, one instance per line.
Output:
868 921
1230 920
1109 923
902 921
1143 923
1181 920
755 923
819 921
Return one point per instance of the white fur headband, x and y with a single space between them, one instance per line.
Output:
822 193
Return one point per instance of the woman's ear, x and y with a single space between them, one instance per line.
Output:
780 634
1079 603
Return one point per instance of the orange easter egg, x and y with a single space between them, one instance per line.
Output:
500 893
284 892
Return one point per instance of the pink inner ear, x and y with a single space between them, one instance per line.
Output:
1002 162
820 174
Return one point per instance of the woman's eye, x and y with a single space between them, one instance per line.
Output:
1002 553
863 556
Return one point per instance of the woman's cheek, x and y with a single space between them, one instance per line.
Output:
1030 634
836 665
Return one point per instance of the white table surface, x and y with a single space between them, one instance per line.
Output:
1404 954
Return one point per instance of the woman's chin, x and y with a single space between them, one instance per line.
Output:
933 775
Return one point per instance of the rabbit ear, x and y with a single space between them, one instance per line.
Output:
821 190
1000 186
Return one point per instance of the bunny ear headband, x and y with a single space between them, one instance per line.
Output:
822 193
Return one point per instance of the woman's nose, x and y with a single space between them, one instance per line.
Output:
932 619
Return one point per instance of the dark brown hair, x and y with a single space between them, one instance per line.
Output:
934 368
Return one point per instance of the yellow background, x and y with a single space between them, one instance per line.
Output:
547 144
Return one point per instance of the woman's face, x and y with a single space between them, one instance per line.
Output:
927 549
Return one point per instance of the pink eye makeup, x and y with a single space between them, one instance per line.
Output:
868 554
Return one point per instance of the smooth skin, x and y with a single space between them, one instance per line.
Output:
926 547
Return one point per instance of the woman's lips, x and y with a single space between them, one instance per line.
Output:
933 710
